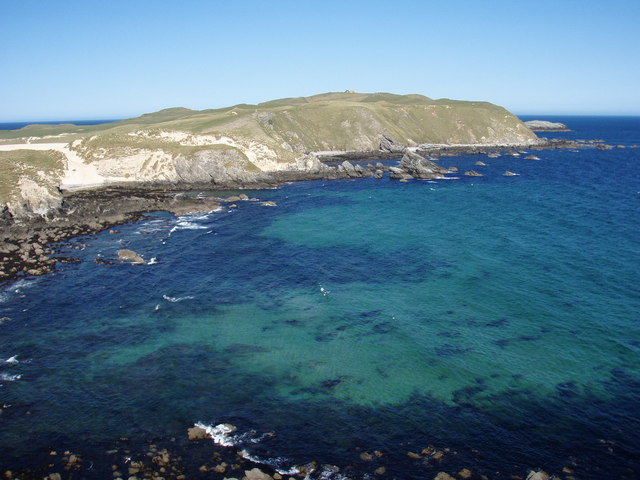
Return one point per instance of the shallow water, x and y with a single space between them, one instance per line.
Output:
497 316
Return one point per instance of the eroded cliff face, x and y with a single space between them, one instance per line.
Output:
248 144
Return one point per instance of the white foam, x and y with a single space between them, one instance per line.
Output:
12 360
10 378
279 464
153 261
225 434
177 299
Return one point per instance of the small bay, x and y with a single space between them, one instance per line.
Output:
497 316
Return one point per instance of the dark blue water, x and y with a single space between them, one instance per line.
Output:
19 125
493 316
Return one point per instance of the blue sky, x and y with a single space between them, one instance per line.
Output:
114 59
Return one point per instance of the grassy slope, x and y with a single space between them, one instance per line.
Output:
43 167
291 127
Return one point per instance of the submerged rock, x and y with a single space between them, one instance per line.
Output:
443 476
509 174
130 256
531 157
481 164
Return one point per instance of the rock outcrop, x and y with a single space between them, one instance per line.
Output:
419 167
545 126
388 144
130 256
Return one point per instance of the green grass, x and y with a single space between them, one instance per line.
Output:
39 166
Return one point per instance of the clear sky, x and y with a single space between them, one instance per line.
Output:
86 59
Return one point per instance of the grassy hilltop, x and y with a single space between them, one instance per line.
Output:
182 145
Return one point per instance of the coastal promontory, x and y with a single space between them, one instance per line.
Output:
240 146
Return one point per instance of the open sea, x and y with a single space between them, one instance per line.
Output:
495 319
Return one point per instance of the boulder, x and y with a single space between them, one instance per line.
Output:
362 172
256 474
453 169
539 475
531 157
509 174
269 204
398 173
465 473
481 164
197 433
419 167
472 173
130 256
443 476
348 168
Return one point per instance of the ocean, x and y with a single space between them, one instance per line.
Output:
489 323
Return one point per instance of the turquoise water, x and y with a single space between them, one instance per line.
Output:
497 316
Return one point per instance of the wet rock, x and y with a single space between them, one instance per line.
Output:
103 261
465 473
269 204
378 174
232 198
197 433
4 319
380 470
493 155
509 174
54 476
413 455
130 256
348 168
256 474
365 456
531 157
539 475
398 174
453 169
604 146
481 164
438 455
220 468
472 173
443 476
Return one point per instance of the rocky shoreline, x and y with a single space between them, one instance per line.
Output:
197 455
27 244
